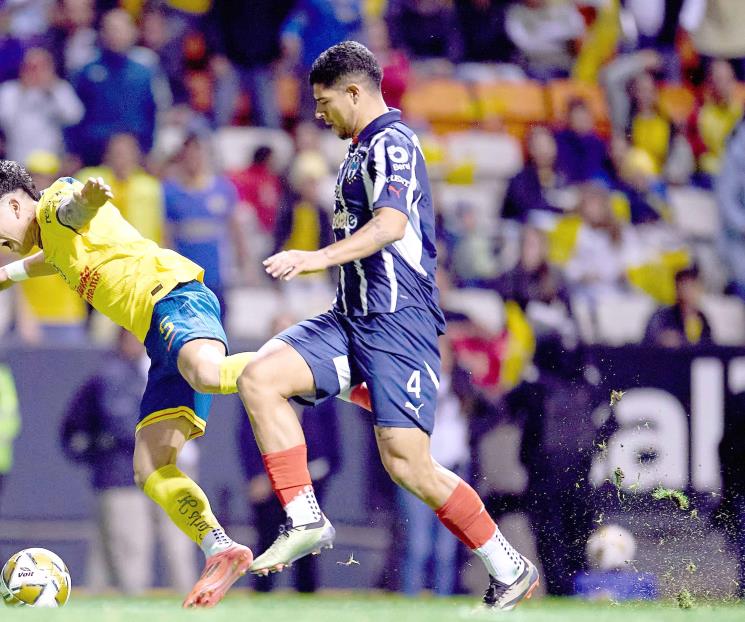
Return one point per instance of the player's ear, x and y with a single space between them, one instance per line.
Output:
15 205
354 92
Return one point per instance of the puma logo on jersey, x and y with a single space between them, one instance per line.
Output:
395 190
416 409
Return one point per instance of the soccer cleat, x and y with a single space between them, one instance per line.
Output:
294 543
221 570
504 597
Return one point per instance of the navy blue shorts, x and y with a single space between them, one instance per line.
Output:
189 311
396 354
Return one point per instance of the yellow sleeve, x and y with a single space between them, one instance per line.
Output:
58 194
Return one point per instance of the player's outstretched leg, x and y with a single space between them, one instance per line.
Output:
156 448
406 457
277 373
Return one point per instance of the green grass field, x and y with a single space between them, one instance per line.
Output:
281 607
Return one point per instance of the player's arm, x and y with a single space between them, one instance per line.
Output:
391 168
22 269
387 225
85 203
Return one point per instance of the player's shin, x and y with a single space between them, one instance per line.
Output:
231 368
290 479
467 519
187 506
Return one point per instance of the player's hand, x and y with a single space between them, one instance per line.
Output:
288 264
95 193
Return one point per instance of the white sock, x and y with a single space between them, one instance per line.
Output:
303 509
502 561
215 541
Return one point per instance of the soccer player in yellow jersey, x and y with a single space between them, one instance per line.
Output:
159 296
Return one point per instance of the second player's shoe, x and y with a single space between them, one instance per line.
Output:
221 570
294 543
504 596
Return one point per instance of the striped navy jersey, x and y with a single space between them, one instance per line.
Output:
384 167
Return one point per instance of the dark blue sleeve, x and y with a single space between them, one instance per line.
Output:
392 168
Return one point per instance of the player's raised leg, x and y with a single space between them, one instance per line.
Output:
406 457
156 449
277 373
208 369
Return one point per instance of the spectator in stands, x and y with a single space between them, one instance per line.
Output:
96 431
616 79
260 189
101 85
713 120
10 422
321 428
35 108
426 543
540 190
730 193
603 249
247 42
545 34
72 38
633 100
168 48
424 29
202 221
303 221
649 129
482 28
683 323
139 195
473 259
580 150
394 62
630 175
47 310
537 286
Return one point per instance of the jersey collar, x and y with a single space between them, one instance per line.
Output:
377 124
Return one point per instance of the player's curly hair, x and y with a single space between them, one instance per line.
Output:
344 59
14 177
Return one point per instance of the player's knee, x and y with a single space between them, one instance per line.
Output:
253 383
206 378
140 476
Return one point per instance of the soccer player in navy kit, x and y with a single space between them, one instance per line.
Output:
382 330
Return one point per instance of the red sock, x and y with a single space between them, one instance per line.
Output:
466 518
288 472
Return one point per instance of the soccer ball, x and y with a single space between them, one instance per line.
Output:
610 547
35 578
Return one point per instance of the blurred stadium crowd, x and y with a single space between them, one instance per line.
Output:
586 159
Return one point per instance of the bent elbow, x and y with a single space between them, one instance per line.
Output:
398 232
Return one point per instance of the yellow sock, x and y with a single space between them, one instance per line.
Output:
183 500
230 368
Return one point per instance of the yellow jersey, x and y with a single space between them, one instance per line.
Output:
107 262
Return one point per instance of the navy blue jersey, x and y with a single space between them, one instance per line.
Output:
384 167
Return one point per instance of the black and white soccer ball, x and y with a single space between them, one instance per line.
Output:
35 578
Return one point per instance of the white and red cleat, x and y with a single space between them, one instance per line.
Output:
221 570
